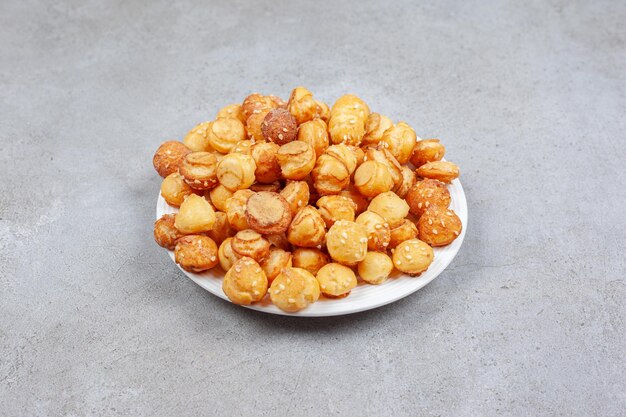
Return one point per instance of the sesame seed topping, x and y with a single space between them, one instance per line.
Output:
280 136
419 205
456 233
427 204
409 257
378 226
430 221
292 300
435 231
344 235
281 286
284 129
343 242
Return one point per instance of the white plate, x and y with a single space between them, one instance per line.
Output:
364 296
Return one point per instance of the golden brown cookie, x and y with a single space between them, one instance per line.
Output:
224 133
400 141
296 160
357 198
315 133
323 111
254 126
279 126
197 140
257 103
268 213
168 158
336 207
439 226
405 231
443 171
426 193
372 178
302 105
347 120
427 150
311 259
375 268
245 283
393 208
347 242
330 175
174 189
294 289
267 167
251 244
219 196
382 155
199 170
280 241
413 256
377 228
195 215
375 126
232 111
165 233
236 209
275 262
195 253
221 228
225 254
307 229
336 280
344 153
236 171
297 195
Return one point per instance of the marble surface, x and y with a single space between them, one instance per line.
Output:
529 319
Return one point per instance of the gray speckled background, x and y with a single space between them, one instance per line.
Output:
529 319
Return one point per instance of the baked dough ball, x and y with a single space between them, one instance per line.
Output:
245 283
345 154
221 229
165 233
275 262
280 241
267 167
168 158
199 170
268 213
254 126
279 126
219 196
311 259
279 103
375 268
223 134
236 209
375 126
197 140
336 280
251 244
413 257
195 215
225 254
377 228
307 229
174 189
426 193
382 155
232 111
315 133
243 146
257 103
236 171
336 207
297 194
372 178
347 120
294 289
427 150
357 198
296 160
443 171
195 253
347 242
302 105
400 141
408 179
405 231
439 226
393 208
323 111
330 175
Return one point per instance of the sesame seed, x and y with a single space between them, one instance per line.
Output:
399 262
288 281
344 235
435 231
409 257
419 205
385 244
281 286
284 129
430 221
277 291
427 204
343 242
406 248
456 233
280 136
378 226
292 300
363 240
442 223
213 258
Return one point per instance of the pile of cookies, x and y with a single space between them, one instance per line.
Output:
295 198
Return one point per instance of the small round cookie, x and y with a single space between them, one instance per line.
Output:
408 180
279 103
251 244
405 231
323 111
400 141
336 207
232 111
413 256
439 226
297 195
243 146
296 160
254 126
426 193
174 189
347 242
245 283
256 103
375 126
199 170
195 215
236 209
336 280
165 233
294 289
219 196
393 208
357 198
267 167
315 133
168 158
195 253
375 268
236 171
307 229
279 126
427 150
377 228
279 241
330 175
311 259
443 171
197 140
225 254
268 213
302 105
224 133
372 178
221 229
346 154
382 155
275 262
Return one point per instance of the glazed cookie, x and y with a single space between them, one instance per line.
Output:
347 242
297 195
330 175
245 283
400 141
197 140
408 180
336 280
268 213
257 103
302 105
219 197
224 133
375 126
294 289
196 253
236 171
413 257
232 111
439 226
221 229
315 133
